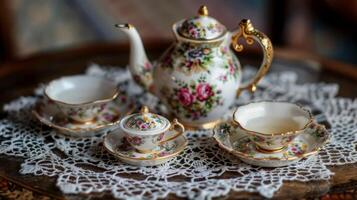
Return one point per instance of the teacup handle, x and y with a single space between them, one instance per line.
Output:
250 34
172 127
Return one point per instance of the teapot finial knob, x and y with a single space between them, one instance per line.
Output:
144 110
203 10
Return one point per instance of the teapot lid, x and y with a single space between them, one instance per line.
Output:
144 122
201 27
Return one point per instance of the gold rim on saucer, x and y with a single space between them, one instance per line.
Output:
37 113
247 156
182 147
197 126
262 150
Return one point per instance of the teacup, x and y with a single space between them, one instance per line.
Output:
146 131
81 98
272 125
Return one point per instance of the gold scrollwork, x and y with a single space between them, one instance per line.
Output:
250 34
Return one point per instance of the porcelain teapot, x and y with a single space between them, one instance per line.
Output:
198 77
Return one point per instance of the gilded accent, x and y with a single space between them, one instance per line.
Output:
310 121
247 156
147 151
36 112
212 42
128 26
172 127
250 34
203 10
262 150
144 110
156 158
198 126
91 121
112 97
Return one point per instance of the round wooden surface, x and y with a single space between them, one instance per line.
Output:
21 77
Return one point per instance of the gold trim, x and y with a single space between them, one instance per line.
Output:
147 151
36 112
249 33
178 133
197 126
144 110
184 145
104 100
88 122
218 40
262 150
127 25
203 11
247 156
310 121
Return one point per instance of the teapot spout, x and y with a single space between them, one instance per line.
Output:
140 67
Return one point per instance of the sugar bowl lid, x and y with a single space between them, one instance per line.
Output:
144 122
201 27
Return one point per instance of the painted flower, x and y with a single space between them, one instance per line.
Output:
224 50
160 137
206 51
144 126
232 69
125 146
163 153
195 53
297 149
147 66
222 78
135 140
185 97
204 91
193 100
258 139
108 117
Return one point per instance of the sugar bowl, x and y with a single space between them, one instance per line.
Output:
146 131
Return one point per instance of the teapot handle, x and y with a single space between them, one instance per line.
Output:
250 34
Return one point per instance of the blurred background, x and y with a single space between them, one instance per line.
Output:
31 27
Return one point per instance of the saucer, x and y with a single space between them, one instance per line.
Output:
234 140
117 145
48 113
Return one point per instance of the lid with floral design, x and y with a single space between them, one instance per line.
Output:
144 122
201 27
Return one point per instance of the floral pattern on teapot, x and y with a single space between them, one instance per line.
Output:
201 29
190 59
194 100
201 50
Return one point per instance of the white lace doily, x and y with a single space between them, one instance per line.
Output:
198 168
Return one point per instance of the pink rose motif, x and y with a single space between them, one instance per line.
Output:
160 137
222 78
144 126
134 140
108 117
231 67
147 66
185 97
204 91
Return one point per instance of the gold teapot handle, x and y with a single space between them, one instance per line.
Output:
250 34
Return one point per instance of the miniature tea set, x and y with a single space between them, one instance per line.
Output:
197 79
